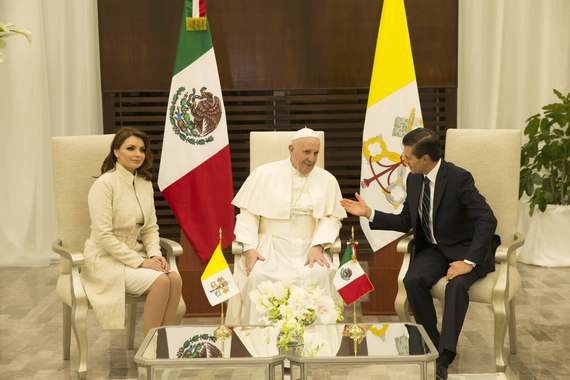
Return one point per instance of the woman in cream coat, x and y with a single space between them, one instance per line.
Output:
122 254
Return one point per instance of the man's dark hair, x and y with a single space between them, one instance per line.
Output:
423 141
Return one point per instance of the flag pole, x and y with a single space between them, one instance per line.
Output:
222 332
355 332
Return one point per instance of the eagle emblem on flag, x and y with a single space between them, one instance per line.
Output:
200 346
345 274
194 116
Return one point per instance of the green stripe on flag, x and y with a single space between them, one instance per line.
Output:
347 256
191 45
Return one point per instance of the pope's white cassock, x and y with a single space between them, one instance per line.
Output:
283 214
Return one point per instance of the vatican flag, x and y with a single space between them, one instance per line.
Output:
393 110
217 279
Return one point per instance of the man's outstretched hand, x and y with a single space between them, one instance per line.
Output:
358 207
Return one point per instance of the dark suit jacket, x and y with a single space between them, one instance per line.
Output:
463 223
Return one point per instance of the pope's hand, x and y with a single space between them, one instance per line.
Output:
251 257
358 207
316 255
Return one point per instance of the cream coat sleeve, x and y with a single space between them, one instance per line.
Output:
100 200
149 232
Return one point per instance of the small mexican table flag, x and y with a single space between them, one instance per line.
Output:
350 280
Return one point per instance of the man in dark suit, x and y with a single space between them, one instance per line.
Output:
454 233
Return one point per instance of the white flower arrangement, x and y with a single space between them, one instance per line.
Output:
291 308
7 30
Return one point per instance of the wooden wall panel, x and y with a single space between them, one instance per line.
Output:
273 44
137 43
283 65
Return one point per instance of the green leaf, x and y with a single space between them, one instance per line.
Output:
545 125
536 179
548 197
529 188
542 204
532 126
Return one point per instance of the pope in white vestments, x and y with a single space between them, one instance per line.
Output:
289 212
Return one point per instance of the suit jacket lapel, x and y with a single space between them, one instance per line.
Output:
440 184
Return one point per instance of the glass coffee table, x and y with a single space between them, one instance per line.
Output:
390 350
184 352
386 351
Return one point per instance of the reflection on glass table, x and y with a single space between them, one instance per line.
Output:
251 353
190 351
389 350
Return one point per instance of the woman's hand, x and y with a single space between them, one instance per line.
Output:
157 263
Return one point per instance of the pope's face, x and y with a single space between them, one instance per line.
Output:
304 153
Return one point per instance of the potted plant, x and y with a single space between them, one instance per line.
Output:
545 158
545 178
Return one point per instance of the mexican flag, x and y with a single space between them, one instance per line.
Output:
350 280
393 110
195 174
217 280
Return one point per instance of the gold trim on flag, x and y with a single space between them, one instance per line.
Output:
196 23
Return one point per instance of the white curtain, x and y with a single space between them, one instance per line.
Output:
50 87
512 53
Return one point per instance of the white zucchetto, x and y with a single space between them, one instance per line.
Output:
304 132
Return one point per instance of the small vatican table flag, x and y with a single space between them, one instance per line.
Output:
217 279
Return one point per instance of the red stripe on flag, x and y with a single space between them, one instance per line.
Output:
202 5
201 201
356 289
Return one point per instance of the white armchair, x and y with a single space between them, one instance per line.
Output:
76 164
265 147
493 157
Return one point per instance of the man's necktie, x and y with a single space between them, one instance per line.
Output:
425 210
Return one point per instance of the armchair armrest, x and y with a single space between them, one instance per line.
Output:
334 251
506 250
75 261
74 258
406 245
172 249
237 248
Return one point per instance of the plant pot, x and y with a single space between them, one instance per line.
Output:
547 240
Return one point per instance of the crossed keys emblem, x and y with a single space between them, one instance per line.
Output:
387 167
221 285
